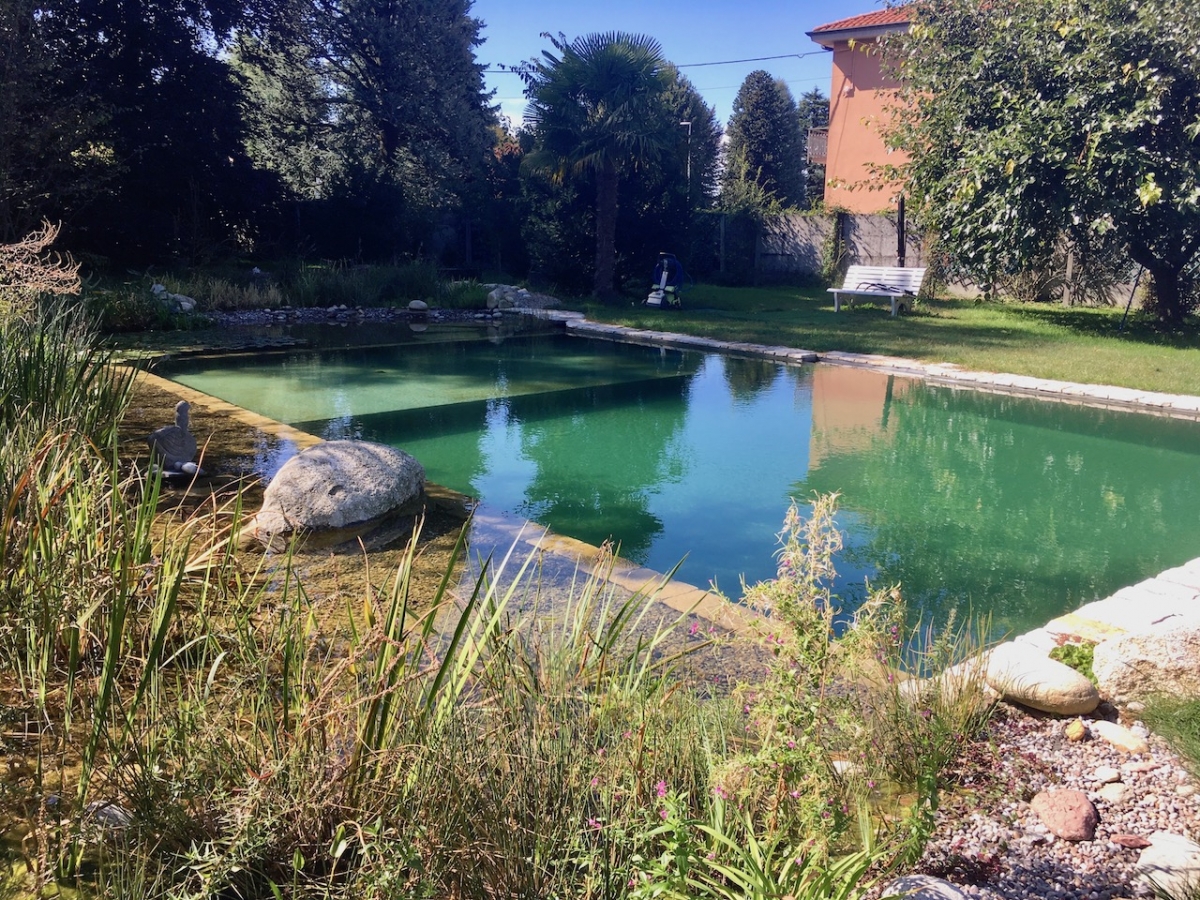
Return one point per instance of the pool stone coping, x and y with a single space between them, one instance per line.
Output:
1181 406
1171 594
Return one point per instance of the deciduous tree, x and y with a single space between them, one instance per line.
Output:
373 99
1027 121
53 150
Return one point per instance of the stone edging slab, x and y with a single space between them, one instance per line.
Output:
1182 406
1173 594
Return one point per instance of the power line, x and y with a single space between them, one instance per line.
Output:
513 70
730 62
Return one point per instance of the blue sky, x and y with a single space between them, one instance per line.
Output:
690 31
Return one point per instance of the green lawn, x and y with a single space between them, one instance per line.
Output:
1043 340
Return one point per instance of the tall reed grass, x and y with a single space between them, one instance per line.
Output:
198 725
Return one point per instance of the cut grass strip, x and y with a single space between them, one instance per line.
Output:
1041 340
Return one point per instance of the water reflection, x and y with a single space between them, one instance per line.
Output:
1006 504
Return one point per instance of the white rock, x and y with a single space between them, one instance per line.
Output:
1140 767
954 685
1113 794
1120 737
1162 660
1023 674
1171 864
1040 639
418 306
1106 775
923 887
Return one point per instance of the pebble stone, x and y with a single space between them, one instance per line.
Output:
989 842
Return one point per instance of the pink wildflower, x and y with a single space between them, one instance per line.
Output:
660 789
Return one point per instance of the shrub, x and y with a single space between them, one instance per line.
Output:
29 271
1078 657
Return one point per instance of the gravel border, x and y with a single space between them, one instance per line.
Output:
992 845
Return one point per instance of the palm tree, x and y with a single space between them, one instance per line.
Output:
595 110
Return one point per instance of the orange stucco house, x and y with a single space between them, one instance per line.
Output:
859 96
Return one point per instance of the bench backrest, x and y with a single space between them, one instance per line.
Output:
883 278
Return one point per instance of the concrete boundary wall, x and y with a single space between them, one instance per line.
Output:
793 245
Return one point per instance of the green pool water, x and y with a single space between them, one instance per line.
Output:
1014 507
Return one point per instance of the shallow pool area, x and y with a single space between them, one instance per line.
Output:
978 502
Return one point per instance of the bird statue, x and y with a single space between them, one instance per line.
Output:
173 446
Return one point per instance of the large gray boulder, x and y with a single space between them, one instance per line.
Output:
1024 674
507 296
1164 659
337 484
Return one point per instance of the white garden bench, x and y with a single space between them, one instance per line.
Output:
901 285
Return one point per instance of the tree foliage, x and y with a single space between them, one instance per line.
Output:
50 152
1028 123
380 104
172 122
184 129
765 149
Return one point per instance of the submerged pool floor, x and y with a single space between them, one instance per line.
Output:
982 503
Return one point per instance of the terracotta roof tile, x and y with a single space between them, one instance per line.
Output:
896 16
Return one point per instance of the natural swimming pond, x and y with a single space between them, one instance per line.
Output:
984 502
